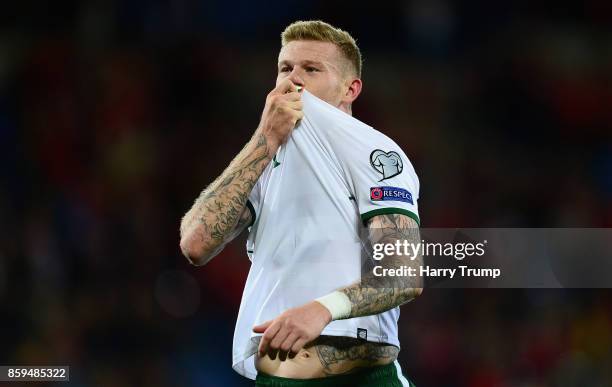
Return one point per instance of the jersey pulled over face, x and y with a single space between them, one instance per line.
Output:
316 66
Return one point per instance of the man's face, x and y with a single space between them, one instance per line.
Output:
316 66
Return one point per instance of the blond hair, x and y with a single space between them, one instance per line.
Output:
324 32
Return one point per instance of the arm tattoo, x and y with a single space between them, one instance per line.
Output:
374 294
334 350
220 213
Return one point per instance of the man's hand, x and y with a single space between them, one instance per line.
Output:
289 332
282 111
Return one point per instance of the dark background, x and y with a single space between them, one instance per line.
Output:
114 115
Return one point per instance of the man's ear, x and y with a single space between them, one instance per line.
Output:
353 90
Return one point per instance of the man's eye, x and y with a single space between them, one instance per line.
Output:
285 69
311 69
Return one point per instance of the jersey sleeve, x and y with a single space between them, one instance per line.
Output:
254 201
377 173
381 177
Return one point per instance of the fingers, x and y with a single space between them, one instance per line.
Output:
299 115
295 105
285 86
288 342
295 109
292 100
267 337
287 334
285 347
275 344
293 96
292 110
283 343
279 340
261 328
298 345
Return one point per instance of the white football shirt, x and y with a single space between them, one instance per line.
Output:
310 206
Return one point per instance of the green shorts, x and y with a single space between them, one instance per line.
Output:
381 376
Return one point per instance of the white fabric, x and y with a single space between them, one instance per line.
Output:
400 375
338 304
310 205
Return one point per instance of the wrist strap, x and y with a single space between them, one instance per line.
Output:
337 303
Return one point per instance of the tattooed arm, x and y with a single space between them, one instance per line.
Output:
374 294
219 214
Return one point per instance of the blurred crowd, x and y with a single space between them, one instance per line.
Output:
115 115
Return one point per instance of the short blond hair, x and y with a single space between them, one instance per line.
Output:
324 32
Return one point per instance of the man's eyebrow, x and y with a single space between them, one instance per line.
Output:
304 62
313 62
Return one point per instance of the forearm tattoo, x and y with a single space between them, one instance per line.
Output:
334 350
373 295
219 211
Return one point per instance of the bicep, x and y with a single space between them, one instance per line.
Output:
391 227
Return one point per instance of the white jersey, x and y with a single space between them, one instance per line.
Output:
310 206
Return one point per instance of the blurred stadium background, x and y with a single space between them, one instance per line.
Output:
115 114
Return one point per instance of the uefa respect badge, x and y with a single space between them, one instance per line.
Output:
390 193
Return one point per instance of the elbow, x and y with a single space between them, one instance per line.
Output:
416 287
417 292
197 252
412 289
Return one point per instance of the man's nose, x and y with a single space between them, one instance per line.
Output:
296 78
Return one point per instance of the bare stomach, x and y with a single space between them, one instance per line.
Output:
327 356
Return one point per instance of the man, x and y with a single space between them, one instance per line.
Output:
316 197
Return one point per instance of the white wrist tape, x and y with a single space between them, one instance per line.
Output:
337 303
